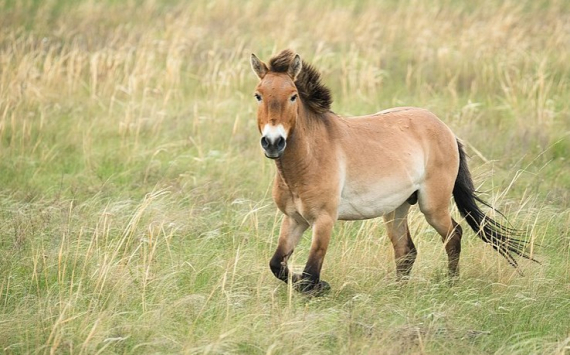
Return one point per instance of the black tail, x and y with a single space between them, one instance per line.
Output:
492 232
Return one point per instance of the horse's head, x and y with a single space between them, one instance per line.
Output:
278 102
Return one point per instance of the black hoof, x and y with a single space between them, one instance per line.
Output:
323 288
312 289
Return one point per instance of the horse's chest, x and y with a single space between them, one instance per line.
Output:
290 201
306 204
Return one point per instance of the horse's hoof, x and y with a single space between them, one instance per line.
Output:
323 288
313 289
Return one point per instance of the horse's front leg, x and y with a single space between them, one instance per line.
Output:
289 236
310 281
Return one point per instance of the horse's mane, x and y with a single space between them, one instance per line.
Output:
314 94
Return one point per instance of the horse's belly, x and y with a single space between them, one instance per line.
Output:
356 204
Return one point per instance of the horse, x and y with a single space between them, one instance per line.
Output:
334 168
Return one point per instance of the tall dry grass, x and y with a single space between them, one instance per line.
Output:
136 204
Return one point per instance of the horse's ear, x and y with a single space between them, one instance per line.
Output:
259 68
295 67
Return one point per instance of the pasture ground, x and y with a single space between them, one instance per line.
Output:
135 202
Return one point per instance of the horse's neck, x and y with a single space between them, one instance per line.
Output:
303 149
295 160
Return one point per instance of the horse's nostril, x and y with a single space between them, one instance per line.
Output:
280 143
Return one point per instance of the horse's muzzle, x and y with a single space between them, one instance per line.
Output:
273 147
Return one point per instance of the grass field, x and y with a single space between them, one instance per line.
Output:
135 200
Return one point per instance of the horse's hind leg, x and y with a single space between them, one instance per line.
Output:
450 233
399 233
436 210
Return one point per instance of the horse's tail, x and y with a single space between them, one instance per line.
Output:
489 230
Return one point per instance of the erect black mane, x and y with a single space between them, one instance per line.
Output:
313 93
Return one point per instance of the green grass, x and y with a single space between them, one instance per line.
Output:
135 201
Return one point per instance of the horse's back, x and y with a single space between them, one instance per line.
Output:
399 132
409 130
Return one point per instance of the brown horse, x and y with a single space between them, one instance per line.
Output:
330 168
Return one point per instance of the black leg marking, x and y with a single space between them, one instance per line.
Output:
278 265
309 282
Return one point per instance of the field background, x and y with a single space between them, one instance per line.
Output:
135 207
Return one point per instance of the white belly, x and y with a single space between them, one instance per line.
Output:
364 202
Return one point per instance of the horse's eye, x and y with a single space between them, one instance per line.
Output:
257 97
294 97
